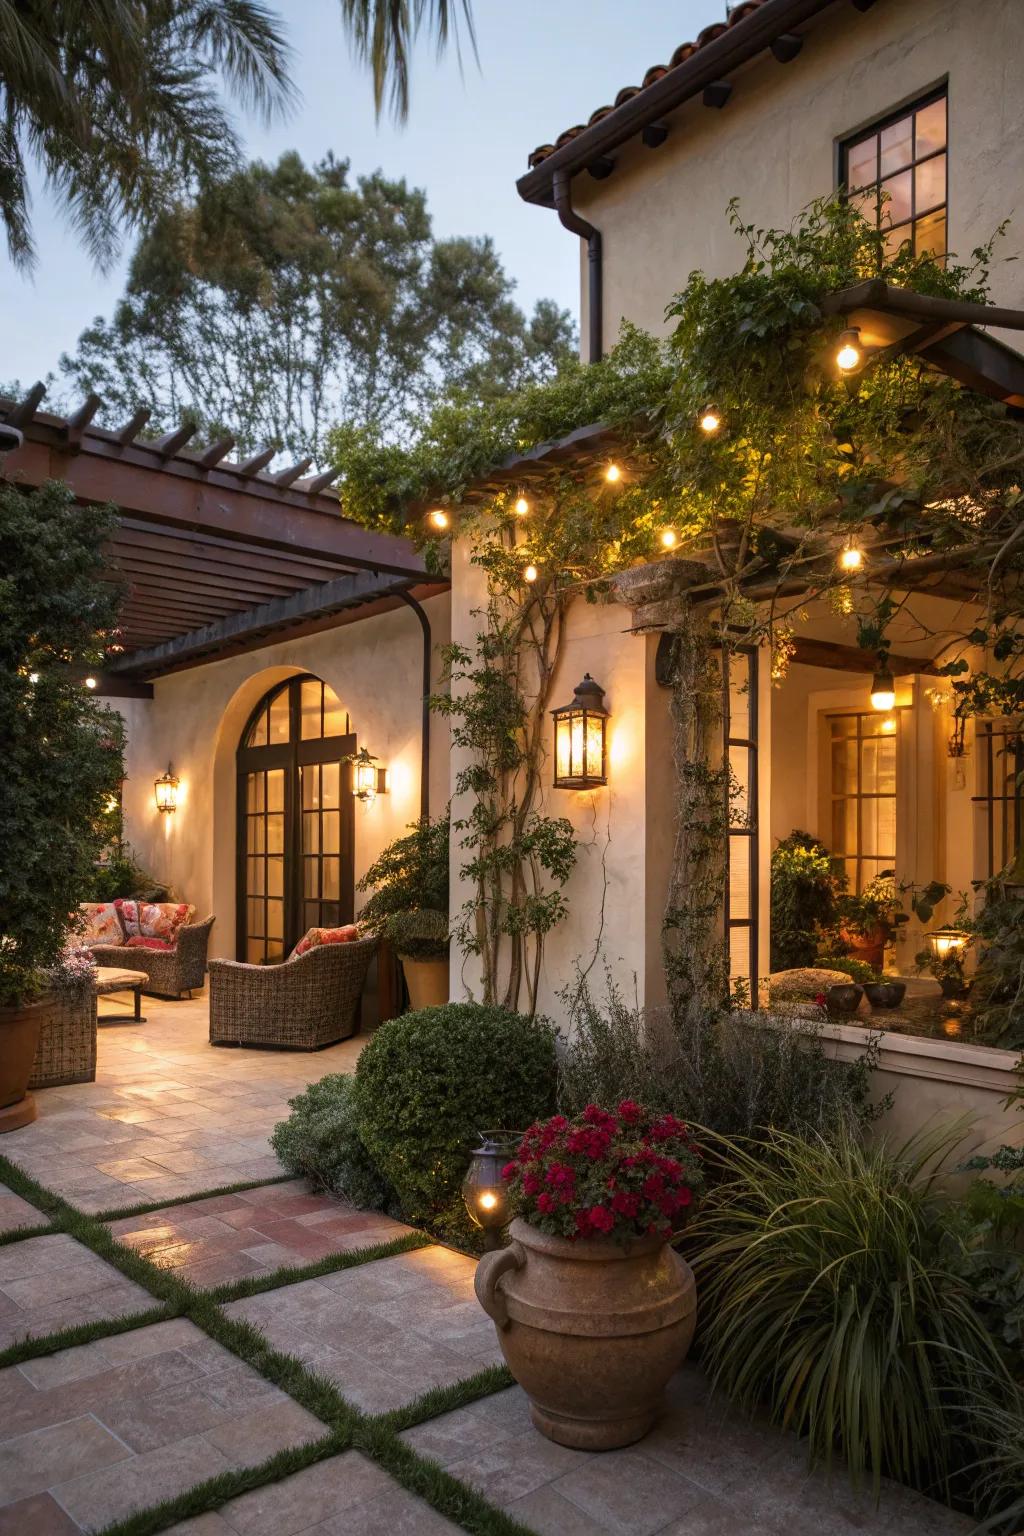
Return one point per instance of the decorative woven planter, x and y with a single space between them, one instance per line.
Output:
591 1330
66 1051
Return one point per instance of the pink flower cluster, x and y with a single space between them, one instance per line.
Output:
621 1174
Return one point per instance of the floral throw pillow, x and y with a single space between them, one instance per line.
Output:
153 919
317 936
99 923
139 941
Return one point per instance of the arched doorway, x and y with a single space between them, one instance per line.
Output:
295 819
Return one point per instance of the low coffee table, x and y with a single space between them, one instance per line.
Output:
110 978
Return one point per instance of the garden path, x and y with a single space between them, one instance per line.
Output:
161 1371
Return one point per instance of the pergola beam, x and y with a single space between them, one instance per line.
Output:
301 607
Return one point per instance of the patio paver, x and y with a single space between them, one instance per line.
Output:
345 1495
383 1332
701 1472
93 1433
229 1237
16 1212
53 1282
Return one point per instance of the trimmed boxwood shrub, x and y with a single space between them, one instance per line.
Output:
427 1084
319 1140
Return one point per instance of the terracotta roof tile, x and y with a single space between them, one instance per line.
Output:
737 14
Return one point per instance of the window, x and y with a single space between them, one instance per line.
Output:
862 793
998 801
896 175
741 883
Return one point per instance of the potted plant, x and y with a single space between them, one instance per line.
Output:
867 922
409 880
594 1309
805 884
63 754
420 940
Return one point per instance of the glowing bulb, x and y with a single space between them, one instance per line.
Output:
710 420
851 558
521 507
438 519
849 355
33 677
530 573
487 1201
889 725
883 690
669 538
613 473
90 682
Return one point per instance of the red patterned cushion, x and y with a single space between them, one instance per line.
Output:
317 936
128 912
99 923
140 941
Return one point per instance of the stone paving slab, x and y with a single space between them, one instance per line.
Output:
346 1495
169 1116
16 1212
384 1332
91 1434
229 1237
701 1472
53 1282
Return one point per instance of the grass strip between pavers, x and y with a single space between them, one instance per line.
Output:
375 1435
81 1333
292 1274
124 1213
19 1234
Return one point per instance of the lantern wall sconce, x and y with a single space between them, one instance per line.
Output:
165 791
581 738
483 1188
368 780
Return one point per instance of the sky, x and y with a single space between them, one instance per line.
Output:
544 65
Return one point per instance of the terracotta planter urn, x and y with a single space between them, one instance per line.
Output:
592 1330
869 947
427 981
19 1036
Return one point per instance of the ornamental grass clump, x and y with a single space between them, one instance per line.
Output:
622 1175
830 1292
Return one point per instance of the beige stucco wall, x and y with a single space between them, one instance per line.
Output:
195 719
662 212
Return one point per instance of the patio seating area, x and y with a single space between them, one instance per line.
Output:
130 1415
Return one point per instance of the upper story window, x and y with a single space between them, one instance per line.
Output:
896 175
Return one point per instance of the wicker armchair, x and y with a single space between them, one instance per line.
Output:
304 1004
171 971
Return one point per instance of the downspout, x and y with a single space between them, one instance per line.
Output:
562 188
417 609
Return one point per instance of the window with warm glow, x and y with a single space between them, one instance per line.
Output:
895 172
999 801
862 752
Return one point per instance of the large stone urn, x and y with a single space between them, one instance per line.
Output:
592 1330
19 1036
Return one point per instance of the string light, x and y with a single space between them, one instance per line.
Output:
850 355
710 419
90 682
530 573
883 689
613 473
33 677
669 538
439 520
521 507
851 557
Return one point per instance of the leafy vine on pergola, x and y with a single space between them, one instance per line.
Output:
893 461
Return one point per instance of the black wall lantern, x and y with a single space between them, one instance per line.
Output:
581 738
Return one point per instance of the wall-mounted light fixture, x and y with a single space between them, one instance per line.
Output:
165 791
883 688
581 738
368 780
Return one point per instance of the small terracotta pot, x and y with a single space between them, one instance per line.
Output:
591 1330
869 947
427 981
19 1036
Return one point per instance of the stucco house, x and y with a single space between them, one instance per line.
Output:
266 639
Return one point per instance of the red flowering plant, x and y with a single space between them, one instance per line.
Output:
619 1175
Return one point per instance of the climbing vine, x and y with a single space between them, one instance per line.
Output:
894 462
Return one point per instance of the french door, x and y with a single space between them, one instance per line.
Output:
295 820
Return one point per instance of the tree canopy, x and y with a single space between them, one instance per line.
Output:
121 105
289 297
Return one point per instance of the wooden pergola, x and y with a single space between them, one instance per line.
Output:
216 556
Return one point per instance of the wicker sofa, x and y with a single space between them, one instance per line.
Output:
309 1001
173 968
